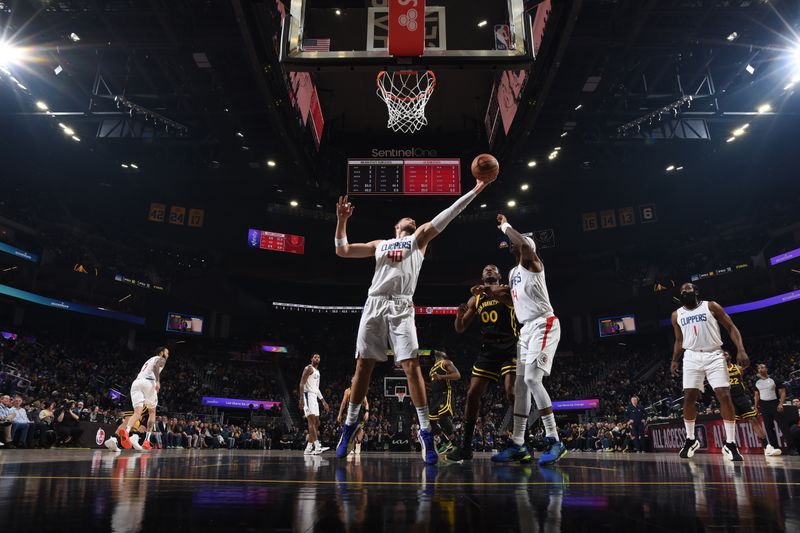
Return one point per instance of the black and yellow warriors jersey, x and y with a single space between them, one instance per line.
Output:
737 380
498 322
440 386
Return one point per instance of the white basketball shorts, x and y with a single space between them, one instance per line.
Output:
387 322
699 366
537 343
310 404
143 391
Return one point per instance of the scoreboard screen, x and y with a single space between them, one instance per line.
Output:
404 176
277 242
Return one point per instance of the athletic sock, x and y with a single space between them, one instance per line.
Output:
518 434
689 425
352 413
128 429
147 437
730 431
424 418
550 429
469 433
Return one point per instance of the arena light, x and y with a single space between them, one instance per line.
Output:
557 148
294 203
511 203
42 106
764 108
564 134
482 23
524 187
552 155
338 11
74 37
271 163
578 107
10 55
730 139
240 134
135 166
679 168
124 165
531 163
483 206
76 138
740 131
670 168
750 69
732 37
69 131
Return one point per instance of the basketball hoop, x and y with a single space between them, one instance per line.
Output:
406 93
401 396
400 392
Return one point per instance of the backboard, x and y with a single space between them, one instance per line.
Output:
320 34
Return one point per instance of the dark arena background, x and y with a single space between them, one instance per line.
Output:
169 177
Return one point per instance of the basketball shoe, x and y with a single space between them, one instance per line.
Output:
346 440
429 454
555 452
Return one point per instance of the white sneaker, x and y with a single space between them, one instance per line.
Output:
135 443
309 450
769 451
111 444
318 451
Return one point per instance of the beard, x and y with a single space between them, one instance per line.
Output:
689 299
490 280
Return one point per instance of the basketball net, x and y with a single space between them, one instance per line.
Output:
405 94
401 396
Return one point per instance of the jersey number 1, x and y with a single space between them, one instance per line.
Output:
395 255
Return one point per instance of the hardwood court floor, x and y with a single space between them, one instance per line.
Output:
197 491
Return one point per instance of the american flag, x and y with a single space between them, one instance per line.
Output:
316 45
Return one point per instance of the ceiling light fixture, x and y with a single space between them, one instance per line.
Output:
294 203
134 165
76 138
670 168
764 108
531 163
69 131
524 187
338 11
511 203
240 134
123 165
271 163
41 105
678 168
578 107
483 206
730 139
74 37
750 69
732 36
564 134
482 23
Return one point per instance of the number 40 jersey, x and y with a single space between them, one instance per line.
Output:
397 266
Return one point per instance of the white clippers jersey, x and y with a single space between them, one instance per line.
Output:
529 293
397 266
700 329
312 383
147 370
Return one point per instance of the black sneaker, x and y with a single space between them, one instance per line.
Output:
689 447
731 452
459 455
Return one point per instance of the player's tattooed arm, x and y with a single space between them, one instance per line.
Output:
722 317
528 256
677 348
465 314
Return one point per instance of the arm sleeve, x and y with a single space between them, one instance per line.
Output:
444 218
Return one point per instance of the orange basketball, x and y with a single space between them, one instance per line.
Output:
485 167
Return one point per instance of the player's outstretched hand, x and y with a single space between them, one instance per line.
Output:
344 209
742 359
501 219
481 184
675 368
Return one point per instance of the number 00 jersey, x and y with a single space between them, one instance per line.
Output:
397 266
498 320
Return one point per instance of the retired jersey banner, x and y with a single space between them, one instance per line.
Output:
157 212
406 27
196 217
177 215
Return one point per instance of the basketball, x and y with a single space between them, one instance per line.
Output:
485 167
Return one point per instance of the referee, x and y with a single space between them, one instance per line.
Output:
769 397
